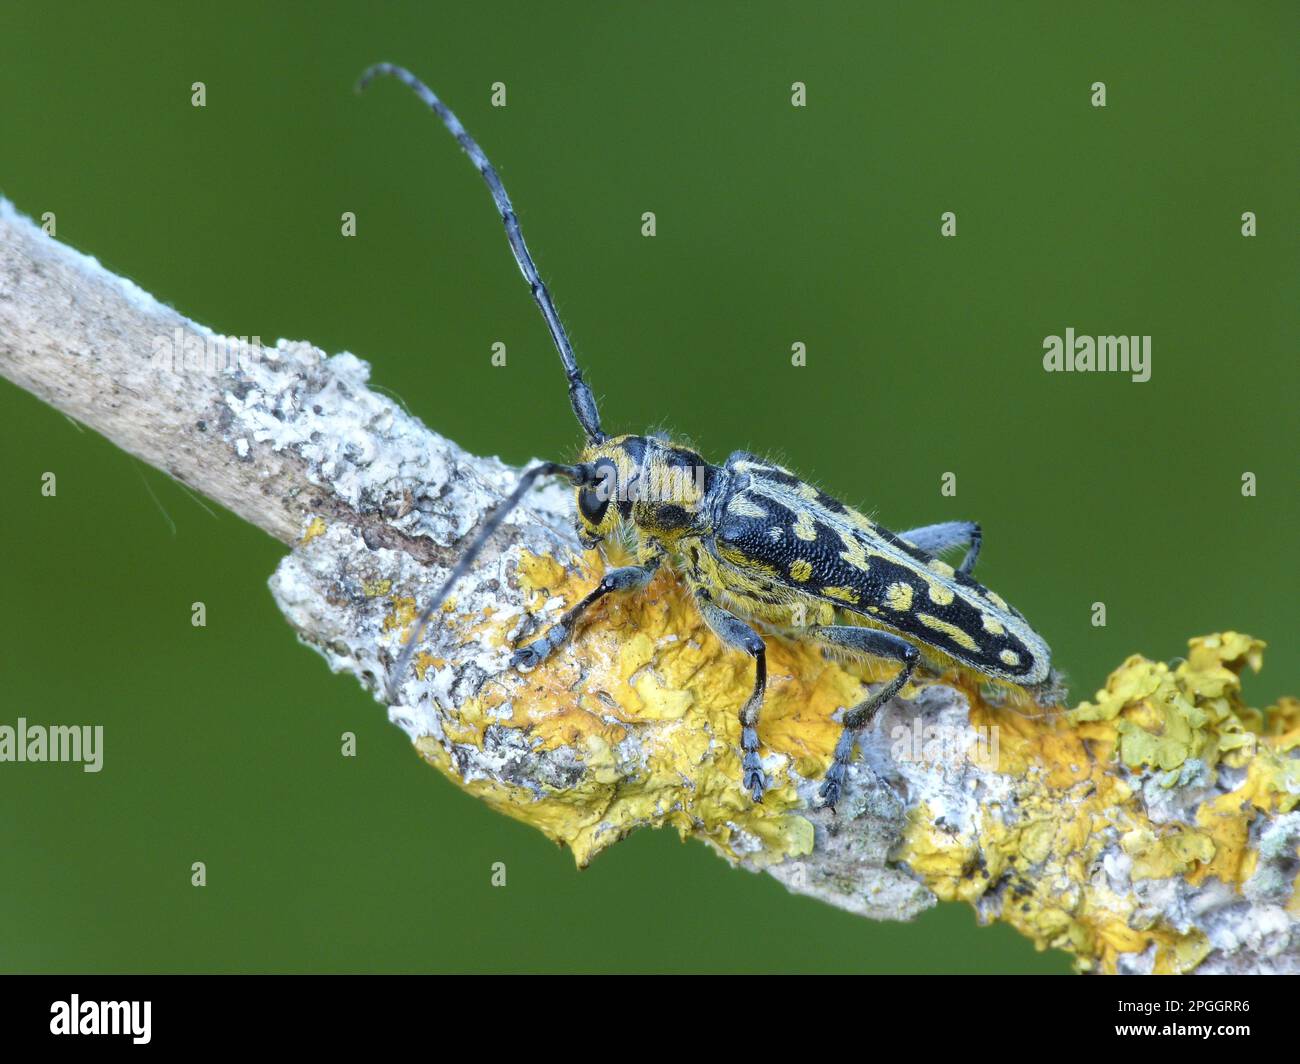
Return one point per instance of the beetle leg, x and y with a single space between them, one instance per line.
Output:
948 534
736 634
626 578
860 643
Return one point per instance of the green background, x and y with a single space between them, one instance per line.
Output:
775 224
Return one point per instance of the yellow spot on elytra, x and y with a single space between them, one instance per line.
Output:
804 527
316 528
940 567
844 594
996 599
940 595
860 520
992 625
743 506
1009 657
806 491
950 630
899 597
751 566
854 553
800 570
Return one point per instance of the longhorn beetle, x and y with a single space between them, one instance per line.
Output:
754 544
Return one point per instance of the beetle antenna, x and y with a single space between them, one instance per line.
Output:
580 396
489 525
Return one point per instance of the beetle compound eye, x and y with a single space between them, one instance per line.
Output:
593 501
593 504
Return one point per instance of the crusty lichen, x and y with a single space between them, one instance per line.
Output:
1120 831
1133 823
642 705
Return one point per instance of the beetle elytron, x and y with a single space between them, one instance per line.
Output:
753 544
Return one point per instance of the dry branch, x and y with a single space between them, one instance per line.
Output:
1153 829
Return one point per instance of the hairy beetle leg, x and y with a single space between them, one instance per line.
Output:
860 642
736 634
948 534
627 578
753 778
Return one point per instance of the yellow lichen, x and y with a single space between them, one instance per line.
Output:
403 616
1172 721
643 701
315 528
